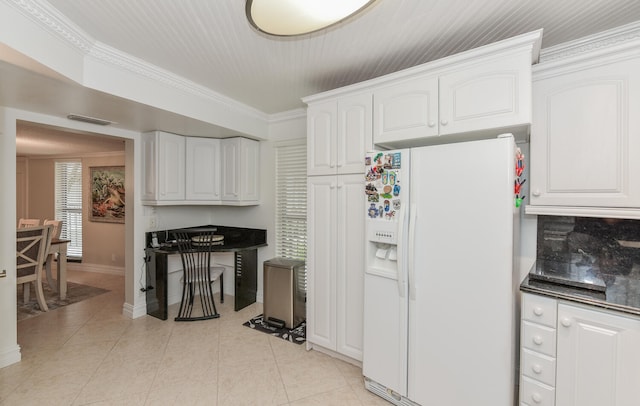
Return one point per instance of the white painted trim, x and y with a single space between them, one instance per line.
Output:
10 355
288 115
605 39
331 353
132 312
529 42
622 212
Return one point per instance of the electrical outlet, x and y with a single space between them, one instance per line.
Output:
153 222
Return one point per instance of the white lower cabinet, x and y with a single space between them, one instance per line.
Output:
577 355
537 351
335 263
598 358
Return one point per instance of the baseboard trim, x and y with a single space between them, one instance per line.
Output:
10 355
133 312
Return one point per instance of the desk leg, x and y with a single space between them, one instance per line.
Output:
62 272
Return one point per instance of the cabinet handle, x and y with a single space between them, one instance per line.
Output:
536 368
340 185
431 124
538 311
566 322
3 274
537 340
332 165
444 122
536 192
536 397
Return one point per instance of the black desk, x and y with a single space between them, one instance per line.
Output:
243 242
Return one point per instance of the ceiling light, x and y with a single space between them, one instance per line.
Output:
297 17
87 119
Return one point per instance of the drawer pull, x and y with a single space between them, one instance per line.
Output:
537 340
432 124
538 311
536 397
566 322
537 368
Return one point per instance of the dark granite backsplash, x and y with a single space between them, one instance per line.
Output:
587 252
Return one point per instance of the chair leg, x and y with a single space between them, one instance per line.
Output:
40 296
221 288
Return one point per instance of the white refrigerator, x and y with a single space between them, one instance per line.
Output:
441 278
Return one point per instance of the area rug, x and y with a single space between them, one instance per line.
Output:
295 335
75 293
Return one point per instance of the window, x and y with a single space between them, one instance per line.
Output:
291 199
69 204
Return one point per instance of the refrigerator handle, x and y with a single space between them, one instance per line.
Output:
400 261
411 251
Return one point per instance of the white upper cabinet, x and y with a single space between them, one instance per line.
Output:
202 169
182 170
493 93
585 135
354 132
338 135
164 167
241 170
406 111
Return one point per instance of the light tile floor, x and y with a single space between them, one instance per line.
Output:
88 353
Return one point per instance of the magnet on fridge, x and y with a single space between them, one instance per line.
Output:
396 160
367 160
380 211
396 190
396 204
392 178
385 178
387 206
373 212
390 214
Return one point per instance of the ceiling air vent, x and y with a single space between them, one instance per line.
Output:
87 119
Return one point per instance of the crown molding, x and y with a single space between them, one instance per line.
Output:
613 40
294 114
50 19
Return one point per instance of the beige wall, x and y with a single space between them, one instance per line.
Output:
102 243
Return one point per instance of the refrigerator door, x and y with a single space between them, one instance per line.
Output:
385 288
461 349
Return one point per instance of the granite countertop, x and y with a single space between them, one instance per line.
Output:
622 293
235 239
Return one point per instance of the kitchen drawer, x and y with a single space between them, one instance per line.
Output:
536 394
539 367
539 338
539 309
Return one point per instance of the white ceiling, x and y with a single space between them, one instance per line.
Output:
210 42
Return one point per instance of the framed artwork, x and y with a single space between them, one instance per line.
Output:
107 194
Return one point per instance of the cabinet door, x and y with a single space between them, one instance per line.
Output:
321 261
406 111
350 265
230 158
171 166
321 138
598 358
249 170
202 169
150 160
490 94
586 129
354 132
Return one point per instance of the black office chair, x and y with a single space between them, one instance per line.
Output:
195 249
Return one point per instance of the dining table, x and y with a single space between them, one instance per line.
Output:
58 246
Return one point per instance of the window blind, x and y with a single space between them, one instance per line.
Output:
291 199
68 195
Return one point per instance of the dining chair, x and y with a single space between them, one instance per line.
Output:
199 274
22 223
32 244
49 257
